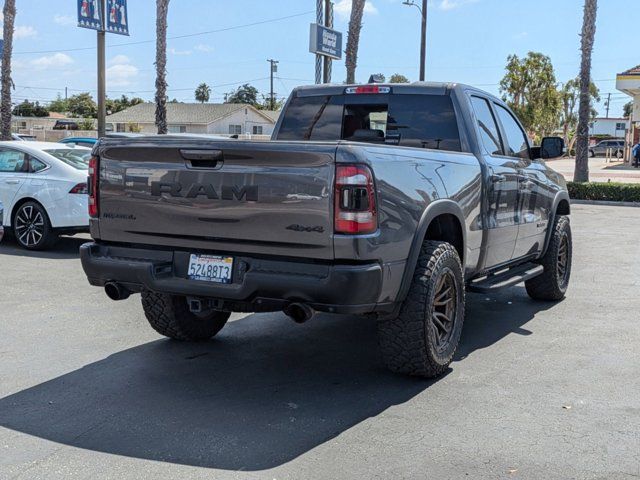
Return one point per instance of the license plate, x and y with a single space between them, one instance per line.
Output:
210 268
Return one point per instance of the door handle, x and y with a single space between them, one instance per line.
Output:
498 178
12 182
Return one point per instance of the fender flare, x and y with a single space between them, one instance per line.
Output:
561 195
433 210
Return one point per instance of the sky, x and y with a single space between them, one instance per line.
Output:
227 43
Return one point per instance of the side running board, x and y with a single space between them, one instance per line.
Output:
505 278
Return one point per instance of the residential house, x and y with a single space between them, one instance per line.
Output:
210 118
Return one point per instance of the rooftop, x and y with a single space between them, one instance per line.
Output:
183 113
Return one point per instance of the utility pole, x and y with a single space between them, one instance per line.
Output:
423 34
102 110
608 103
328 22
319 16
66 92
274 69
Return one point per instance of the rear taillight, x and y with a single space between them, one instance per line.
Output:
92 183
79 189
355 200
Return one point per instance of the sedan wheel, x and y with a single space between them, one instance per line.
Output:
32 228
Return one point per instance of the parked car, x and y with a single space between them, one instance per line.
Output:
87 142
20 137
1 217
387 200
616 147
65 125
43 187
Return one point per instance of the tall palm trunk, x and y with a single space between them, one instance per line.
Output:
162 8
581 173
353 40
9 12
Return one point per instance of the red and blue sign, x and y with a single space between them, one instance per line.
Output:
117 17
90 14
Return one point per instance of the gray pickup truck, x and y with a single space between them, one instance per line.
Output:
384 200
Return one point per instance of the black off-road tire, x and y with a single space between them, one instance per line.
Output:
410 342
169 315
553 283
40 217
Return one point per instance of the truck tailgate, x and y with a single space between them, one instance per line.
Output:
227 196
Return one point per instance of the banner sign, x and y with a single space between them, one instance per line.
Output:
117 17
90 14
325 41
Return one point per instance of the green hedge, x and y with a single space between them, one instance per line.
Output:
612 192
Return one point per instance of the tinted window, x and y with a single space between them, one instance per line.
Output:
487 126
77 158
36 165
517 144
12 161
312 118
425 121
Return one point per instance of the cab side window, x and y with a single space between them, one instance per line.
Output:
487 126
12 161
517 144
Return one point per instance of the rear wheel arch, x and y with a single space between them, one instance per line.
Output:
21 202
443 221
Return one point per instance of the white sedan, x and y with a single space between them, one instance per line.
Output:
43 187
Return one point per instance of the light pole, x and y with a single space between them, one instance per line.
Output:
423 34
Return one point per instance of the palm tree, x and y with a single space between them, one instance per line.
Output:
203 92
581 173
353 39
162 8
9 12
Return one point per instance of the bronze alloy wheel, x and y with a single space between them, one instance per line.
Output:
443 314
563 259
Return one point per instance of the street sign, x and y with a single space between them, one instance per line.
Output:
117 17
90 14
325 41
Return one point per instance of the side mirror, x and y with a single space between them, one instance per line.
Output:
551 147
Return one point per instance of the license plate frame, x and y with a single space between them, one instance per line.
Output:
210 268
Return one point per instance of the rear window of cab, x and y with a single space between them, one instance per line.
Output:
411 120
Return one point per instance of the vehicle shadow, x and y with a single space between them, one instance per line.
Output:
261 394
65 248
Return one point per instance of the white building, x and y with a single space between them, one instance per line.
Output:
629 82
613 127
212 118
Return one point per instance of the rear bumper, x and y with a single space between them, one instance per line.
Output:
258 284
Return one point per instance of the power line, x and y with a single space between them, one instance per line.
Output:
175 37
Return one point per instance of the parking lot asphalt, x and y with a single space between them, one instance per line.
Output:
537 390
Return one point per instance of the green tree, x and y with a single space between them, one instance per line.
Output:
398 78
627 109
82 105
265 104
118 104
569 95
162 9
9 13
243 94
203 92
86 124
30 109
581 173
59 105
353 39
529 88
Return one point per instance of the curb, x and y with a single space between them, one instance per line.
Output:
605 203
